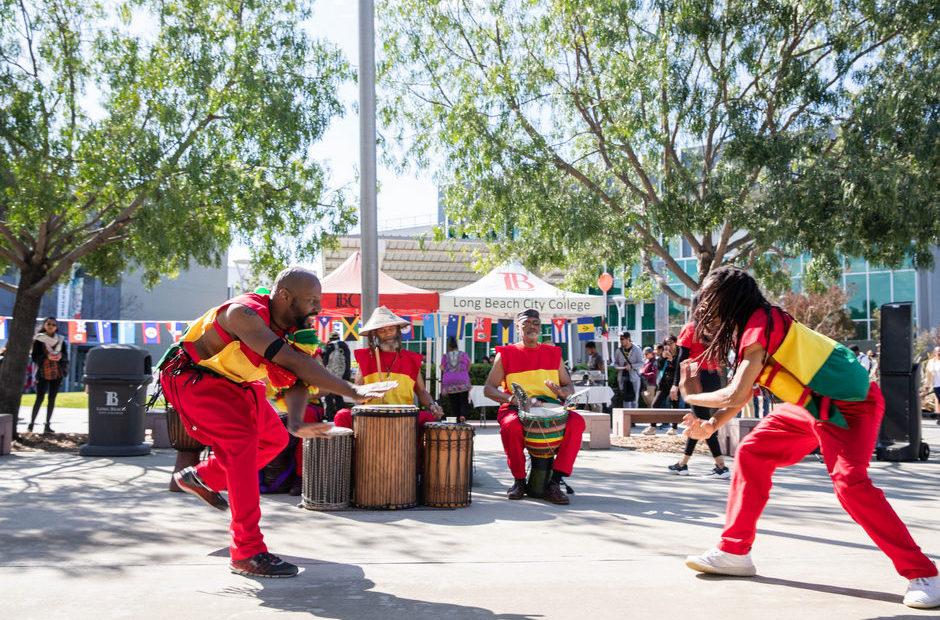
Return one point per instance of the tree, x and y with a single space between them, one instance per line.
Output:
822 311
580 131
154 133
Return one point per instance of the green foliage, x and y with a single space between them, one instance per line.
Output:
159 132
574 132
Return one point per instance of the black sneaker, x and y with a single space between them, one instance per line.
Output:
679 470
189 481
264 565
47 431
719 473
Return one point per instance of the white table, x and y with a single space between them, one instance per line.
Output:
597 394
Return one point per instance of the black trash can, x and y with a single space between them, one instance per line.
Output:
116 376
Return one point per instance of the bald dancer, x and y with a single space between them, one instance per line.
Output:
215 379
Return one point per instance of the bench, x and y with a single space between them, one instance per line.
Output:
6 433
731 434
622 418
597 426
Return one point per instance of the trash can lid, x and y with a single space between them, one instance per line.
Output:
118 361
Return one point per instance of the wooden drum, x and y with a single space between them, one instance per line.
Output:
327 478
188 449
386 463
448 464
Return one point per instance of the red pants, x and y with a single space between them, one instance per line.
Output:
510 431
245 433
313 413
787 435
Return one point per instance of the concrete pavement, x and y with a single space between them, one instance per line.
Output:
102 538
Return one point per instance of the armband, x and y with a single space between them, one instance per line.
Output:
273 349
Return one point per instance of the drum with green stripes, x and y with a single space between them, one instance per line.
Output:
543 429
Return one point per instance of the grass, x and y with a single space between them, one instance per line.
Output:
69 400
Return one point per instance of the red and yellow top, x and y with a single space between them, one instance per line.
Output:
236 361
403 366
530 368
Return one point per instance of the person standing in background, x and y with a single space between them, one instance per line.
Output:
455 380
628 360
50 354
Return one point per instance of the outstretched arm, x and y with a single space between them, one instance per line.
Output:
729 400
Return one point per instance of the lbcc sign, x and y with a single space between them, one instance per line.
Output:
516 281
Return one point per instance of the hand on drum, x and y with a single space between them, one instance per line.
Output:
697 428
312 430
556 389
436 410
373 390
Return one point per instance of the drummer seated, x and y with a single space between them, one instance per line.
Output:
539 370
385 360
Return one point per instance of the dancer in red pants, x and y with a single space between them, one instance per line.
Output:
538 368
214 380
829 403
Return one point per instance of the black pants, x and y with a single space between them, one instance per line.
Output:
331 404
661 401
710 383
460 404
43 386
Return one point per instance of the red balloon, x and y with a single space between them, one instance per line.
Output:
605 281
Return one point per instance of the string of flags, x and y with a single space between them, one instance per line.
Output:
81 331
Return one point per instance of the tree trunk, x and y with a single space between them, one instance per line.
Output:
19 345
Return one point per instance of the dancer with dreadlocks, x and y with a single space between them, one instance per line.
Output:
829 403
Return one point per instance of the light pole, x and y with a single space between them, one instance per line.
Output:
368 225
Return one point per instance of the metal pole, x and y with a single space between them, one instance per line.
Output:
367 183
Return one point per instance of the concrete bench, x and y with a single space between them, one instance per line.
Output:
597 427
6 433
622 418
731 434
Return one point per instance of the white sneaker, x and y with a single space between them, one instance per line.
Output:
650 430
671 431
719 473
923 593
717 562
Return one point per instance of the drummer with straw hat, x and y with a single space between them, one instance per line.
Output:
384 359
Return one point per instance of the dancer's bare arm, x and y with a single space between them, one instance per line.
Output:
296 400
729 400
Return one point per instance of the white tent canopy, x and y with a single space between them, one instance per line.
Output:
511 288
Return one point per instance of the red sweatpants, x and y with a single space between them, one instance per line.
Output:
313 413
787 435
510 431
245 433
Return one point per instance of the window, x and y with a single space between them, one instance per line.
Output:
905 286
855 265
857 288
879 290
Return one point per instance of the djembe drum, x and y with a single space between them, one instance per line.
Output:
543 429
386 456
327 477
448 465
187 448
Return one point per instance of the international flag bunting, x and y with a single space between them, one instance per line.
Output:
151 333
351 328
104 332
585 328
432 325
126 333
560 330
3 329
324 328
408 331
455 325
482 328
78 334
507 332
176 329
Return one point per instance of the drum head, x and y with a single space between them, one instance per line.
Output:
340 431
544 412
381 411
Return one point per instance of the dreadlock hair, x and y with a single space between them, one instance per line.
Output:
727 299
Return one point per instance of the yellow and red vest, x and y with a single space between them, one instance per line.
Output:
236 361
403 366
530 368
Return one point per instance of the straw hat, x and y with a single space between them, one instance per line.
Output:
382 317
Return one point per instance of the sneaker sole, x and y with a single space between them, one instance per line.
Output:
695 565
185 489
923 605
245 573
684 472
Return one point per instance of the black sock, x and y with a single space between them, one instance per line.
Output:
557 476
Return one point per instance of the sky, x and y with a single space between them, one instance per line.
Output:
409 199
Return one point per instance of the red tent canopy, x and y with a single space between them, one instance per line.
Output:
342 293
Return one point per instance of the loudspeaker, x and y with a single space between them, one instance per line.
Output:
897 332
900 435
